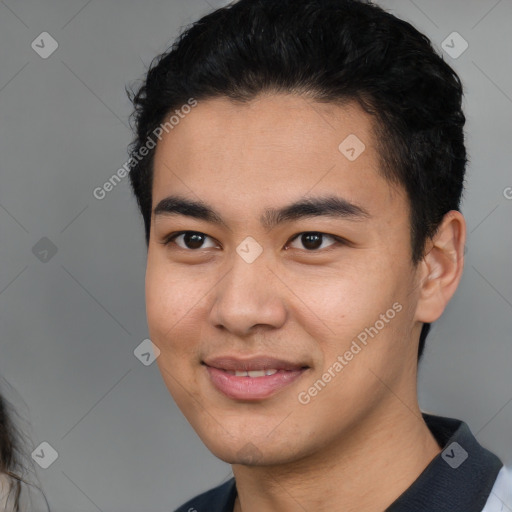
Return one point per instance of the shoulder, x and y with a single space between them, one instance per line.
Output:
501 493
218 499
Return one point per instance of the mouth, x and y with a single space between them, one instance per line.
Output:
252 379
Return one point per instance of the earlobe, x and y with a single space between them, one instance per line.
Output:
441 268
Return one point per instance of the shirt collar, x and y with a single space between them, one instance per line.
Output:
459 479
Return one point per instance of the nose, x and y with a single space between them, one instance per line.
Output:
249 298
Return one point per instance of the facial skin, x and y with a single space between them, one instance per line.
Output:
361 441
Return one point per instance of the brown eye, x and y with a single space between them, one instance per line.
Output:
188 240
313 240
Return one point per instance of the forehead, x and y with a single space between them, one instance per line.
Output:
270 122
281 144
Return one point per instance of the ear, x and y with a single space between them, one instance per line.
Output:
441 267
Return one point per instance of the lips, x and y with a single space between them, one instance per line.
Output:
254 378
262 363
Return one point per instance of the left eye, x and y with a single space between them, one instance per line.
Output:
313 240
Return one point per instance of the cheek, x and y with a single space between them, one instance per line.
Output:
348 303
170 294
348 296
172 300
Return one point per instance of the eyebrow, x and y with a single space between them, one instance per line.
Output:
327 206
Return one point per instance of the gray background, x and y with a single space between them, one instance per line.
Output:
70 324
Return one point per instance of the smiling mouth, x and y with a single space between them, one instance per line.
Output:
240 383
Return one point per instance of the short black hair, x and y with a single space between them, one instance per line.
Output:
330 51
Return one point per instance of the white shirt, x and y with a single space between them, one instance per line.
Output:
500 499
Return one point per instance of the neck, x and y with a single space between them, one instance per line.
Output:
367 469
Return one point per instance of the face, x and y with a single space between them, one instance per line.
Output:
295 257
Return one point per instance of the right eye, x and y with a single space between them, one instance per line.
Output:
189 240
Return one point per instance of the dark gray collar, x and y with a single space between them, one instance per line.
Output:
459 479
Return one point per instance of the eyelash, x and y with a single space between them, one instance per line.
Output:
338 240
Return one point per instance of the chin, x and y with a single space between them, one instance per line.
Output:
251 450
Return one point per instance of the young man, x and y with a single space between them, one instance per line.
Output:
299 167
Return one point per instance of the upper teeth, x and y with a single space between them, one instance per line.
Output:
252 373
